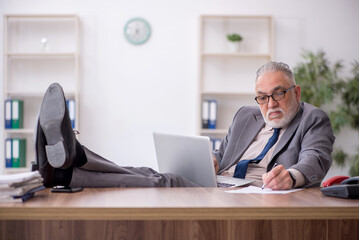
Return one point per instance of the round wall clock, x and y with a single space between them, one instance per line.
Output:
137 31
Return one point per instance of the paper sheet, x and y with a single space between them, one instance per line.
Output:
252 189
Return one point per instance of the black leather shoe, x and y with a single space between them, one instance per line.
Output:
56 126
42 165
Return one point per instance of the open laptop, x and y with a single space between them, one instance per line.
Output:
191 158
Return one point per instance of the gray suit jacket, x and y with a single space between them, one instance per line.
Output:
306 145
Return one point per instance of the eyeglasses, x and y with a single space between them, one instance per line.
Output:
277 96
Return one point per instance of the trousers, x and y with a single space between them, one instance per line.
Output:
100 172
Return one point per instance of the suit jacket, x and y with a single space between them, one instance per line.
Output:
306 145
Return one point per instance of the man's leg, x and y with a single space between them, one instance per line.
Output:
99 172
61 159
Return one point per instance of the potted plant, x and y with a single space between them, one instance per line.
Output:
234 40
321 84
347 114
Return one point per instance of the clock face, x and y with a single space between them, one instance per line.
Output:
137 31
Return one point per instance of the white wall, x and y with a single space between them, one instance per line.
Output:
129 91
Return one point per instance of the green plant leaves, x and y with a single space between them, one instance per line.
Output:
321 84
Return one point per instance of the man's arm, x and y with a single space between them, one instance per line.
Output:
308 155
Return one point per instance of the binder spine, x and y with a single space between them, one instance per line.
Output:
18 153
72 111
8 153
17 113
212 114
215 143
8 113
205 113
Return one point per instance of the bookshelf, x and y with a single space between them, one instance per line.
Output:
38 50
228 76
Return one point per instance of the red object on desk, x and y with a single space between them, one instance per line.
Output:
334 180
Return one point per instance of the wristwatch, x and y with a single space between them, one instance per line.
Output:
293 179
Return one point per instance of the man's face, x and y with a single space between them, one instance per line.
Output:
278 114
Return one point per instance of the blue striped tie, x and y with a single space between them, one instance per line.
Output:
241 168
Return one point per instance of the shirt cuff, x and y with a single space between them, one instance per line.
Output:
299 177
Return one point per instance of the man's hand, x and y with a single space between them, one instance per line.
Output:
278 179
215 163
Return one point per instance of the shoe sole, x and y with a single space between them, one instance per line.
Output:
51 118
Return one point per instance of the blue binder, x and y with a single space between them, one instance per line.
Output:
8 113
212 114
8 153
72 111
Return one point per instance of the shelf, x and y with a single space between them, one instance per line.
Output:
57 16
16 170
238 54
228 76
42 55
214 131
24 94
19 131
223 93
38 51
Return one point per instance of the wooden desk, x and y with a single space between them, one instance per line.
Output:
179 213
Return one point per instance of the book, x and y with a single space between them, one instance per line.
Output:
205 113
7 114
18 152
8 153
17 110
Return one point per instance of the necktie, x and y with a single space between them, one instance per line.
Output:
241 168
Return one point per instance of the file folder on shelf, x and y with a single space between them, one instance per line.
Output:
18 152
212 114
7 113
72 111
17 113
8 153
205 113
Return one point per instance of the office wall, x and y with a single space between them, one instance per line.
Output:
128 91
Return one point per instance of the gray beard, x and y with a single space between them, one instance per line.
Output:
285 121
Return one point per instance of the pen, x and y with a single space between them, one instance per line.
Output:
275 164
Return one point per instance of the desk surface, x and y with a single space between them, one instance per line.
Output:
179 204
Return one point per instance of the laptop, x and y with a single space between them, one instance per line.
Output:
191 158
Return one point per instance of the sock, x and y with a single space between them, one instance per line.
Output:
81 158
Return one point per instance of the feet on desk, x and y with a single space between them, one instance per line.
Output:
56 125
55 144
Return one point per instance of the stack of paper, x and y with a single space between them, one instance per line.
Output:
20 187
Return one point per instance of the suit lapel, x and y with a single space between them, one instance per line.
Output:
250 131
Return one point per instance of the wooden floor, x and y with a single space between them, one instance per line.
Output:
180 213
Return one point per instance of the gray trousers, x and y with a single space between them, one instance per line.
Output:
100 172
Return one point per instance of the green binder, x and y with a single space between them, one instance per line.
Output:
17 114
18 152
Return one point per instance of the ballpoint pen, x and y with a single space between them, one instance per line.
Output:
275 164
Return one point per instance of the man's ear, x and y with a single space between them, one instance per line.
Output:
297 90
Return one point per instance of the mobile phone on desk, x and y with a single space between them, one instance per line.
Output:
66 189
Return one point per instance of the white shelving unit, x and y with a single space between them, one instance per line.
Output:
227 76
38 50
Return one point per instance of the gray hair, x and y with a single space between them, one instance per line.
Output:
276 67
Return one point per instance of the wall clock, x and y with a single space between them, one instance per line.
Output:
137 31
